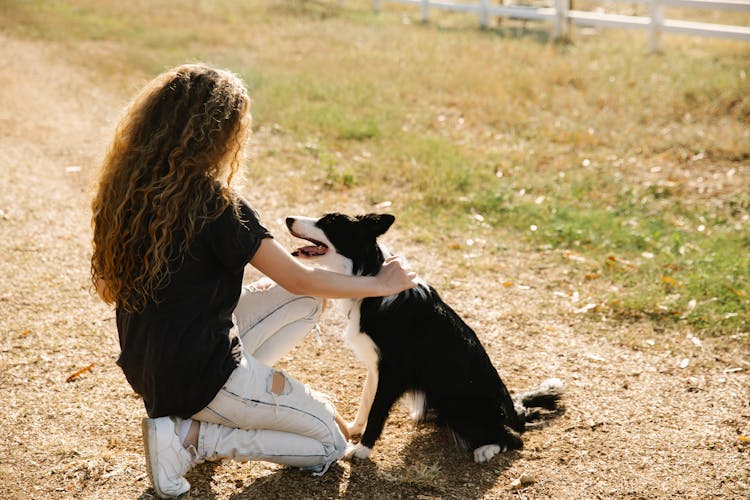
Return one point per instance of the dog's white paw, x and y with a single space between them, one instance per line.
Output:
486 452
358 451
355 429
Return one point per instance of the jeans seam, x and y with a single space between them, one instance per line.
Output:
295 298
331 435
225 419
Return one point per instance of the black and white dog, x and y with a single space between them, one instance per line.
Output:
414 344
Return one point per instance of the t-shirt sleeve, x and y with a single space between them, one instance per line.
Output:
236 235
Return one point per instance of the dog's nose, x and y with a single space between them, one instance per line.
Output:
289 222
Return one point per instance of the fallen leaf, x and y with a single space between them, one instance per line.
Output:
670 281
585 308
79 372
591 276
507 284
743 439
611 259
574 256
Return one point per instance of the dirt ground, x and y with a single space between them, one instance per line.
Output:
650 411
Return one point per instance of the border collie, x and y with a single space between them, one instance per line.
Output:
414 344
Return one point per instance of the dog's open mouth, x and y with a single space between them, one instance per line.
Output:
315 250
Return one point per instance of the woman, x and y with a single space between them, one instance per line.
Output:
171 240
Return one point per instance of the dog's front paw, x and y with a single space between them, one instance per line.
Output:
355 429
486 452
358 451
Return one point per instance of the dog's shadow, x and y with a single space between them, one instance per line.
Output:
430 464
433 464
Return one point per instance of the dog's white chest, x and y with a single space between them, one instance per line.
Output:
364 348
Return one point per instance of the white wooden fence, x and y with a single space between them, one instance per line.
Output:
561 15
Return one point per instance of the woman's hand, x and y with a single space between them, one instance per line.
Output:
394 277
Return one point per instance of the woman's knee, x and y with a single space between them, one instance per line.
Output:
297 307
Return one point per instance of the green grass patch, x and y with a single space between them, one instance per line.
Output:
638 162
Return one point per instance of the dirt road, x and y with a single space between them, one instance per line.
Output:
650 411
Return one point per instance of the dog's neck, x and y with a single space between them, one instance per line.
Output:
370 261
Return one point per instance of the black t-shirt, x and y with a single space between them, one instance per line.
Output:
179 352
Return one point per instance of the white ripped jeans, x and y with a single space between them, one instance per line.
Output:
246 421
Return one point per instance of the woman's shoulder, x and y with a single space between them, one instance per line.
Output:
238 212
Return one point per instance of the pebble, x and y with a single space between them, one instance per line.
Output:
525 479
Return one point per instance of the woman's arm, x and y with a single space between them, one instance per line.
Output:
277 263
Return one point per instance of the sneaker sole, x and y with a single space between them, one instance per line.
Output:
149 434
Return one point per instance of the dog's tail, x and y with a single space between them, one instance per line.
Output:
529 404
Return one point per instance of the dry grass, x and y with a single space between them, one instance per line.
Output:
655 408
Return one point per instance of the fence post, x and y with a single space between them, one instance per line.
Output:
484 17
561 19
424 10
656 12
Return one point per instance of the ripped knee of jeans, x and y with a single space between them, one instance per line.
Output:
278 384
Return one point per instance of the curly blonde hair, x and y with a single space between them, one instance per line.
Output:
173 155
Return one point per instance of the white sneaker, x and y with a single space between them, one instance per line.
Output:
167 460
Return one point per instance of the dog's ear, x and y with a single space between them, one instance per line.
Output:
377 224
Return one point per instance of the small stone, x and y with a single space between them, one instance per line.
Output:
524 479
527 478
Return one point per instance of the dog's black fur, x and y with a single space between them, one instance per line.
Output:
424 346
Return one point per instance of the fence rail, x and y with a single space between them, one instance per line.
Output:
561 16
